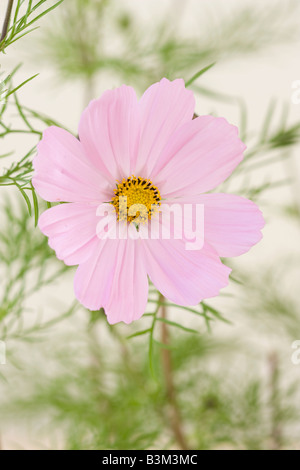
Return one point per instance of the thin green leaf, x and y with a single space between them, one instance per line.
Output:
216 313
198 74
163 345
177 325
22 84
139 333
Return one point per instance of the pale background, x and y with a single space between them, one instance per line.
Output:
257 78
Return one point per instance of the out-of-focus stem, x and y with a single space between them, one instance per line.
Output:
175 415
276 431
89 92
6 19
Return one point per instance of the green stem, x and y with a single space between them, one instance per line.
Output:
175 415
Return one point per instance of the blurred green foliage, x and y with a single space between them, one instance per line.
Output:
101 36
127 387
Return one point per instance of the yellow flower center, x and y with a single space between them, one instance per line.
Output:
136 199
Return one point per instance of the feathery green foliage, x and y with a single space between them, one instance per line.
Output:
109 387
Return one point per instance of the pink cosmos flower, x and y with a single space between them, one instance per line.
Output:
151 145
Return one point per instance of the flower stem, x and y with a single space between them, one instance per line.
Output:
6 19
175 415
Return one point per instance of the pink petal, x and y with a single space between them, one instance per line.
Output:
200 155
165 107
109 132
71 229
62 171
232 224
182 276
114 278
